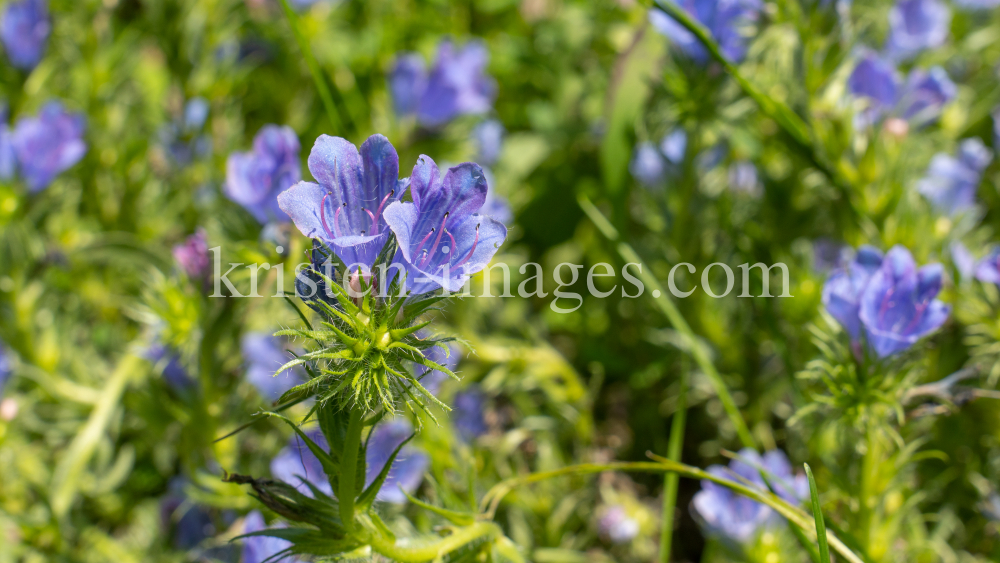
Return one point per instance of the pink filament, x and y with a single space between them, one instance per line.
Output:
322 215
469 255
436 241
336 219
378 212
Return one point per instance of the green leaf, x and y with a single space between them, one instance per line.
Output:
453 516
824 549
368 495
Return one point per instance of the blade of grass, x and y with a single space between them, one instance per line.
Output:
824 549
336 121
669 309
671 480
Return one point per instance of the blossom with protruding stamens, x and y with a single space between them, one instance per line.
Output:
255 178
346 208
442 238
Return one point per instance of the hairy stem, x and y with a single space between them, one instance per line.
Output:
419 551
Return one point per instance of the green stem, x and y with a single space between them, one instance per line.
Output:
868 495
693 346
432 551
321 85
671 480
795 515
349 468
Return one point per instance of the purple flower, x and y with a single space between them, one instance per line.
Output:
5 368
951 182
915 25
258 549
48 144
407 470
192 255
925 94
647 164
265 354
843 289
448 358
743 178
488 136
730 22
673 146
829 254
254 179
442 238
963 260
875 78
24 30
467 415
295 463
616 525
736 517
169 361
988 268
345 210
457 85
899 306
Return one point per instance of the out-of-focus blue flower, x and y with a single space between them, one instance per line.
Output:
735 517
345 209
191 524
673 145
876 79
442 238
24 31
304 4
183 138
195 113
730 22
5 368
899 306
964 261
951 182
8 159
264 355
254 179
295 462
48 144
457 85
616 525
925 94
261 549
488 136
743 178
830 254
169 361
843 289
467 415
988 268
192 255
647 164
915 25
407 471
448 358
991 507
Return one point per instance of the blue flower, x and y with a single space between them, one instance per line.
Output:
345 209
8 158
168 361
925 94
265 354
457 85
730 23
616 525
899 305
963 260
996 129
432 379
261 549
829 254
843 289
182 138
192 255
951 182
647 165
5 368
24 31
48 144
876 79
467 415
488 136
988 268
254 179
673 145
736 517
920 100
915 25
442 239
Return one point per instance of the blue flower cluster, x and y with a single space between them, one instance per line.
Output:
40 148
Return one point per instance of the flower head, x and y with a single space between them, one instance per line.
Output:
647 164
255 178
192 255
915 25
488 136
24 30
261 549
346 208
899 305
925 94
743 178
616 525
736 517
951 182
730 23
988 268
456 85
442 238
876 79
467 415
843 289
48 144
264 355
